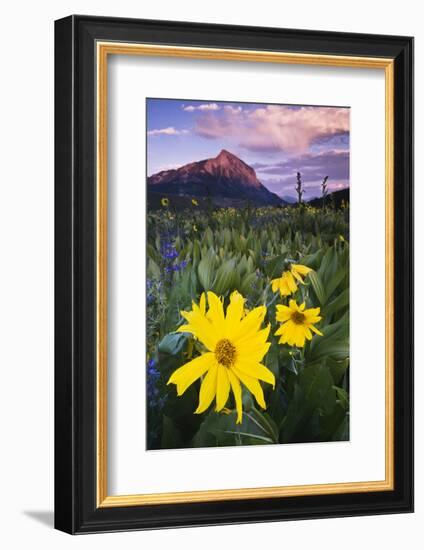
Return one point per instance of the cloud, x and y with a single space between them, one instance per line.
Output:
233 110
170 131
259 165
201 107
313 167
275 128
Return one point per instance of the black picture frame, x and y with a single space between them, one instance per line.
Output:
76 510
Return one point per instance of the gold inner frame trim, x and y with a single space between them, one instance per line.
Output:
104 49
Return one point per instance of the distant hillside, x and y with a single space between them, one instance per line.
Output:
225 180
336 196
288 199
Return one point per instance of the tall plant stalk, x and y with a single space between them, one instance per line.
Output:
299 189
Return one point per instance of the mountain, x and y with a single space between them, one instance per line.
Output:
336 198
225 179
288 198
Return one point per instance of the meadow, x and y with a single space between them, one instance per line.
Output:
220 284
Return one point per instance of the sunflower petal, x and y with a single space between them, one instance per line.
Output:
291 283
235 310
260 337
191 371
302 269
202 304
283 313
314 329
253 386
293 305
299 336
252 352
201 328
216 311
235 386
207 389
249 325
275 285
222 388
256 370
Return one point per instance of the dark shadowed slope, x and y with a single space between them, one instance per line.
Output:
335 198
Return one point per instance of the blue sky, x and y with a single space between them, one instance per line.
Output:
276 140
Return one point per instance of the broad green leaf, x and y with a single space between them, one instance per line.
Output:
172 343
337 304
206 271
223 282
342 396
153 270
318 287
275 266
247 283
336 279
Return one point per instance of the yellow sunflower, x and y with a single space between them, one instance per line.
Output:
235 346
297 323
300 271
286 284
164 201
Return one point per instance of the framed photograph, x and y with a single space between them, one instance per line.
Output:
234 274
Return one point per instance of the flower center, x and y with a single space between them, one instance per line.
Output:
298 318
225 353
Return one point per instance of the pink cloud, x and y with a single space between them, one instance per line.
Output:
275 127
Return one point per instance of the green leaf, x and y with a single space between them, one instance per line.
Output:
338 349
224 278
338 368
267 424
313 394
318 287
251 436
206 271
219 429
335 426
337 304
342 396
326 263
247 283
173 343
317 386
196 252
336 279
275 266
153 253
153 270
208 237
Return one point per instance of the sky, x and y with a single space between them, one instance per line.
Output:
276 140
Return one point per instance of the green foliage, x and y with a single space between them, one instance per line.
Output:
225 250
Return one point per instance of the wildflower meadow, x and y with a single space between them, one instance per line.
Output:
247 325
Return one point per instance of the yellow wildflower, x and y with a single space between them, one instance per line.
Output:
235 346
300 271
194 202
164 201
297 323
286 284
